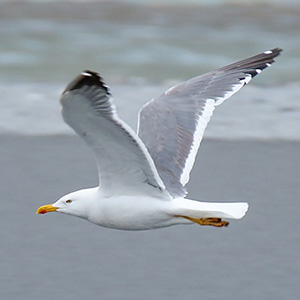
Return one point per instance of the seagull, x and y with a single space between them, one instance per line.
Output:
142 176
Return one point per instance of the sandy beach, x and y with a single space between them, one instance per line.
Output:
60 257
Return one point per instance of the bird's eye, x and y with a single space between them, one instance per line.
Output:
69 201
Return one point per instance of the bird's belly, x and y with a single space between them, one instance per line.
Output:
132 213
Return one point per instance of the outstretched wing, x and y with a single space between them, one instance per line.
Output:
172 125
124 163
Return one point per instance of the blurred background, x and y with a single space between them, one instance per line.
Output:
141 48
250 153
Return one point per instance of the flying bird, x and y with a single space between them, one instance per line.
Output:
142 176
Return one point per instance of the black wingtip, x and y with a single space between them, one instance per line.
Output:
87 78
273 52
265 60
255 64
276 50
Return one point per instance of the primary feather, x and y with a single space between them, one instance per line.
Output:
172 125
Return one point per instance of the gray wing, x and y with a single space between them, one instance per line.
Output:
172 125
124 163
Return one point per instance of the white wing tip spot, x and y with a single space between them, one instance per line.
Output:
258 71
248 78
85 74
268 52
268 65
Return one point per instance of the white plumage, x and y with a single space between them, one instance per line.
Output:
142 176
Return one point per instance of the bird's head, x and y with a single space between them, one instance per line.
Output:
75 203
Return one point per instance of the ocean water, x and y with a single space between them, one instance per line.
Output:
141 49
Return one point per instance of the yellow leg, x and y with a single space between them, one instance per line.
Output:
217 222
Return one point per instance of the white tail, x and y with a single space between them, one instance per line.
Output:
197 209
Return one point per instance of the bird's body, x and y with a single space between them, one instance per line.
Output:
144 211
143 176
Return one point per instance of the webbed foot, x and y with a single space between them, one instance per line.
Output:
216 222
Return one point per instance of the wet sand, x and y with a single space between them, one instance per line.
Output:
61 257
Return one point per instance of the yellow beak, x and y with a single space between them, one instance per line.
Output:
46 208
